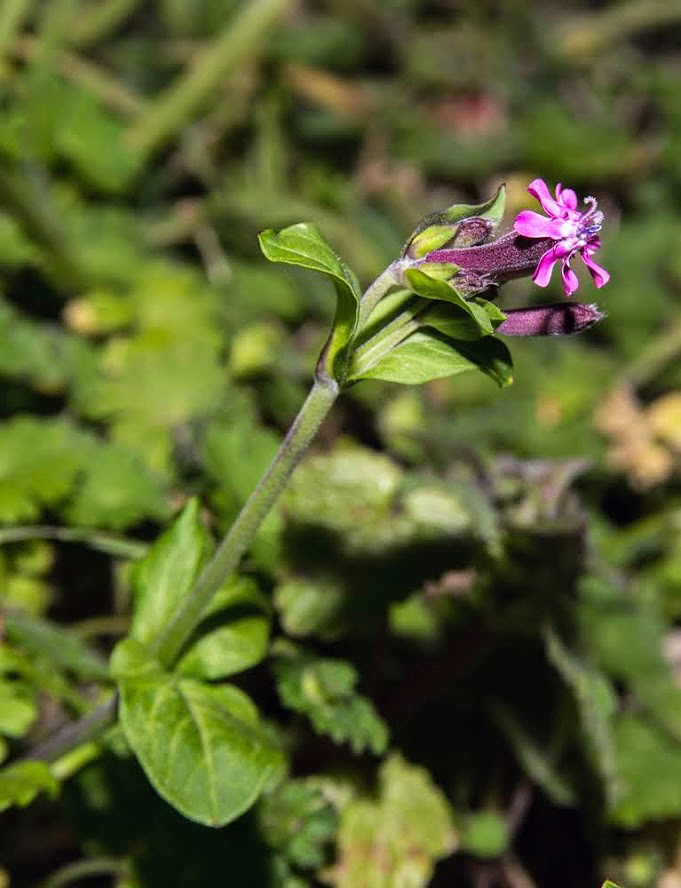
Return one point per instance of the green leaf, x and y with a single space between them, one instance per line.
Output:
299 822
164 576
200 745
324 690
596 704
42 638
115 490
433 288
94 141
485 834
233 634
21 782
534 759
38 463
303 245
397 838
427 355
649 767
17 707
440 229
311 606
452 322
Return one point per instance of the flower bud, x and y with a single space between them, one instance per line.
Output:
555 319
461 225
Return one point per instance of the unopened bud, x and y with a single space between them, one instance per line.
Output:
461 225
556 319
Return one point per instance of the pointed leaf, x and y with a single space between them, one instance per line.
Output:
428 355
233 634
432 288
303 245
200 745
439 229
452 322
166 573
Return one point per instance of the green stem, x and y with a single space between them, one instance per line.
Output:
13 13
90 727
374 293
85 869
118 547
241 534
370 352
241 38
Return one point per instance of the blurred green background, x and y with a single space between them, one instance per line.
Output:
471 595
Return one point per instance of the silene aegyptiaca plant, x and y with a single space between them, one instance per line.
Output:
432 313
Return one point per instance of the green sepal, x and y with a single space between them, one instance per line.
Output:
432 288
439 230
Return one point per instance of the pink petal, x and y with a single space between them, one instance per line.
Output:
531 224
570 279
597 272
566 197
540 190
542 273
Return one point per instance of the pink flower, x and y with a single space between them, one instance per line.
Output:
573 232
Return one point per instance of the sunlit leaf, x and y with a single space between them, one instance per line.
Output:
164 576
303 245
200 745
427 355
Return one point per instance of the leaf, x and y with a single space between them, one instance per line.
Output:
114 490
535 760
485 834
324 690
311 606
38 463
596 704
397 838
164 576
42 638
200 745
452 322
427 355
299 822
432 288
233 634
439 229
94 141
21 782
303 245
649 768
17 707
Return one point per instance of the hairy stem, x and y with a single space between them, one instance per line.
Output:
241 534
76 733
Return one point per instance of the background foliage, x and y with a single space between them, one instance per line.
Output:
461 625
